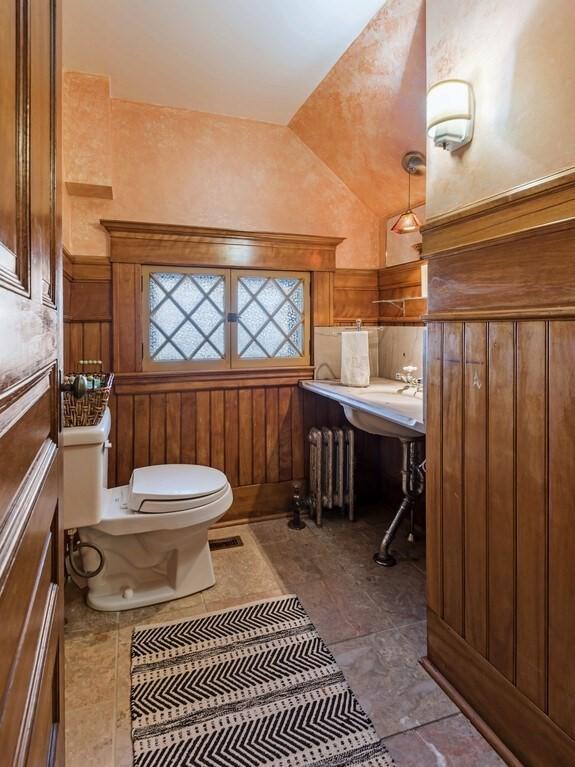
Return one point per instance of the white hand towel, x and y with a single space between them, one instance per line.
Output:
355 358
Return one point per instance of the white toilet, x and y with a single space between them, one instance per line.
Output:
153 533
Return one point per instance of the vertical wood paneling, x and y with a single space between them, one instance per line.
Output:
475 484
501 503
92 346
452 490
86 340
231 431
562 524
157 429
259 435
126 300
285 432
173 427
141 430
203 427
125 419
245 425
76 345
434 430
272 435
531 662
217 429
322 298
105 353
297 433
188 427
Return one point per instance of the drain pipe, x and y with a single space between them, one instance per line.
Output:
299 503
73 546
413 485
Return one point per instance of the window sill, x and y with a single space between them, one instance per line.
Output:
156 381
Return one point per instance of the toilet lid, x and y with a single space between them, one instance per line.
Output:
174 487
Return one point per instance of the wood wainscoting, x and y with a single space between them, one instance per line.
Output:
249 423
355 290
501 468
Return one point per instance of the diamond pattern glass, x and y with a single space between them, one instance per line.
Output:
187 314
270 317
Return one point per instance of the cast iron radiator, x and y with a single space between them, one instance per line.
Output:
331 470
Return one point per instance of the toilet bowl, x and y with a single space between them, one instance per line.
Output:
153 533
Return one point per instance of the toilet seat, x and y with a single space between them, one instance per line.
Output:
174 487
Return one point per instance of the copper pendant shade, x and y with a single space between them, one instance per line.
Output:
413 163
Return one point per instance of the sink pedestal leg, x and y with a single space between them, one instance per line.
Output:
413 484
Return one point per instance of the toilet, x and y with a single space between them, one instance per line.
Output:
152 533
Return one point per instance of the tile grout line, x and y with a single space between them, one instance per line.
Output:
418 727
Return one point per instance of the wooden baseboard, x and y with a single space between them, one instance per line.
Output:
259 502
491 737
522 734
249 520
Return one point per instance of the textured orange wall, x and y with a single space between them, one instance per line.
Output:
370 109
87 129
519 58
182 167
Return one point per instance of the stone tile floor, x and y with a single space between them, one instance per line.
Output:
372 618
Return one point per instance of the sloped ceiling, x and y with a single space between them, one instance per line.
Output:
370 109
257 59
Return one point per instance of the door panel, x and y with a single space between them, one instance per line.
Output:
31 599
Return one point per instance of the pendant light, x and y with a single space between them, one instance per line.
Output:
414 164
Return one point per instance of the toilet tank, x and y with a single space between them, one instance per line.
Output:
85 451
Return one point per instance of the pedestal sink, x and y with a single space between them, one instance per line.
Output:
388 409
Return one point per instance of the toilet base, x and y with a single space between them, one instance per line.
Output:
149 568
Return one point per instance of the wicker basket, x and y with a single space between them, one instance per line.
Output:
89 410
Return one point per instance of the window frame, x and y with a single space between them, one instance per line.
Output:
231 360
237 362
150 364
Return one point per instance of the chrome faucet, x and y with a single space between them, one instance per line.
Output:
410 380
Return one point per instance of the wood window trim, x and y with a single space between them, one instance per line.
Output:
232 360
134 245
148 364
236 361
166 244
188 381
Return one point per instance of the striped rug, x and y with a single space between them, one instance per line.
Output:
249 686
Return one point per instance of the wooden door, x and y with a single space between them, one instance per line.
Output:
31 600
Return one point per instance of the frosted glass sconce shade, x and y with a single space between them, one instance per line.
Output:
450 114
406 223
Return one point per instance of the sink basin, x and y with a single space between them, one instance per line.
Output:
383 408
375 424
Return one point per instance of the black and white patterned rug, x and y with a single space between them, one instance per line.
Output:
249 686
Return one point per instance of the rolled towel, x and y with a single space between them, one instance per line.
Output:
355 358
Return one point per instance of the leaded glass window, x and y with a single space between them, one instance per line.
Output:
187 314
222 318
270 317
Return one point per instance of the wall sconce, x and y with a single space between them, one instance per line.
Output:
413 163
450 114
